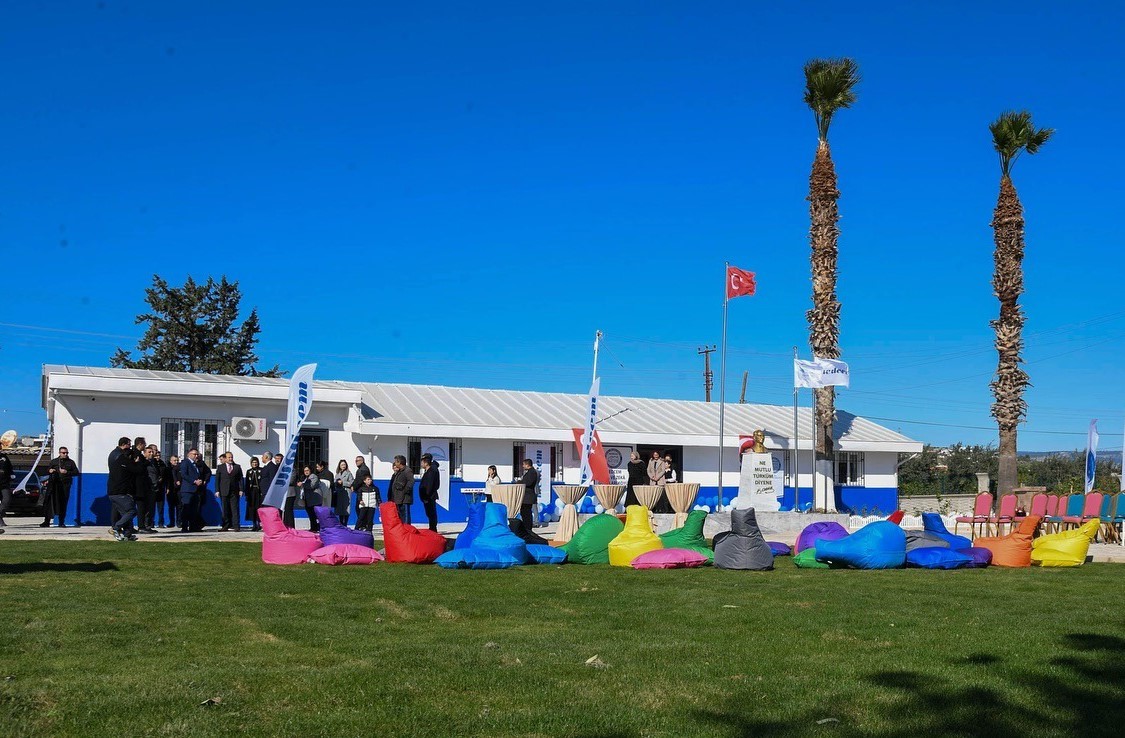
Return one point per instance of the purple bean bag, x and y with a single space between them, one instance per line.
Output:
333 532
825 530
981 557
779 549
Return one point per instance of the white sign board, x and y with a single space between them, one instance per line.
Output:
439 449
617 459
761 483
540 455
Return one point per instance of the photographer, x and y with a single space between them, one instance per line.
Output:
60 476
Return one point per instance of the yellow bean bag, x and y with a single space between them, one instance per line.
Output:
1068 548
636 539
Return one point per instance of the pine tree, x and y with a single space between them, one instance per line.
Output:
194 328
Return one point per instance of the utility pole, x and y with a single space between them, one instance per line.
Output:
708 377
742 397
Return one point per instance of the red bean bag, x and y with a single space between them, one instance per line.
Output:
405 543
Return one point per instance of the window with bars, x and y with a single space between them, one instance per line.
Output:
180 435
519 453
451 468
849 468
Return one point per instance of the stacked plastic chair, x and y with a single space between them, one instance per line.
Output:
405 543
283 545
1068 548
333 532
743 546
982 512
635 539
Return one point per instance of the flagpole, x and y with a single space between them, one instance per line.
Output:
597 339
796 445
812 508
723 384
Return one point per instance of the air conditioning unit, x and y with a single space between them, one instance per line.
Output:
248 429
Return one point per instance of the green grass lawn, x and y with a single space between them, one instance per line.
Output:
129 639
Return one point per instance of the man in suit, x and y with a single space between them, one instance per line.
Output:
193 484
172 482
228 488
428 488
530 496
401 489
361 472
205 475
60 475
121 488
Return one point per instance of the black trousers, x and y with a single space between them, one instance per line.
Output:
5 501
287 512
158 505
124 510
173 501
431 513
365 518
527 516
56 504
229 505
403 512
189 510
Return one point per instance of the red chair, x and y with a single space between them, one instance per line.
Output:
1006 514
1038 507
1056 506
1091 508
405 543
982 508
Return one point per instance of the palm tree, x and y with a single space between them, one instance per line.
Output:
1012 134
829 86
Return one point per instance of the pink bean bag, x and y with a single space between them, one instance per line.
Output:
281 545
405 543
341 554
669 558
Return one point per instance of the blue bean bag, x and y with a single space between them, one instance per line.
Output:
467 558
932 523
476 521
878 545
495 536
981 557
779 549
937 557
548 554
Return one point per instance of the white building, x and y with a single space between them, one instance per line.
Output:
91 407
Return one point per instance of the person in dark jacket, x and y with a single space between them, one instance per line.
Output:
401 489
152 474
530 495
638 475
361 471
205 474
228 490
172 482
161 488
5 486
60 475
194 476
253 494
143 495
428 488
121 489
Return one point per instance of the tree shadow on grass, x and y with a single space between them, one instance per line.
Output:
1077 690
34 567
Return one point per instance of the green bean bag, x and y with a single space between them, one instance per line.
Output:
690 536
807 560
590 545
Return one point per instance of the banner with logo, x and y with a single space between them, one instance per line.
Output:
300 403
1091 454
820 373
540 455
616 461
439 449
589 436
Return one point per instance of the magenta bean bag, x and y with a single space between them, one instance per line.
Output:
341 554
282 545
825 530
669 558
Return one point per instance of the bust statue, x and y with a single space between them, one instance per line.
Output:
759 446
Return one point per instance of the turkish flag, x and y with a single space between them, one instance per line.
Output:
599 467
739 282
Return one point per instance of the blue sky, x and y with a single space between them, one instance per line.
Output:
462 193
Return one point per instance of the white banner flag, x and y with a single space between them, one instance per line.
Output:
820 373
588 434
300 402
1091 454
34 465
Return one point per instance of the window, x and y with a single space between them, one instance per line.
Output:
414 456
179 435
849 468
519 453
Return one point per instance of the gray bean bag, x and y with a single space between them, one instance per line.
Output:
924 539
743 547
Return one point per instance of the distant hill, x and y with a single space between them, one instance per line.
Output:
1114 456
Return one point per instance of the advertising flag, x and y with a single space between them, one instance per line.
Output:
820 373
598 463
739 282
588 434
1091 454
300 402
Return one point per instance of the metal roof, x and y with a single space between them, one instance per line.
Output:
435 405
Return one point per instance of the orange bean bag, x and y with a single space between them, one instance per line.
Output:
1014 549
405 543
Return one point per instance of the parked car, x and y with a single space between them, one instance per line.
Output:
26 501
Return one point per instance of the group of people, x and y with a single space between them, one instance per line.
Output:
530 482
658 471
54 494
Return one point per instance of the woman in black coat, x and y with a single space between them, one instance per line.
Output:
253 493
638 474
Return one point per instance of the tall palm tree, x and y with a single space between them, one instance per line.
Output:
829 87
1012 134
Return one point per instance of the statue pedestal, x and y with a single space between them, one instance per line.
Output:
761 483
